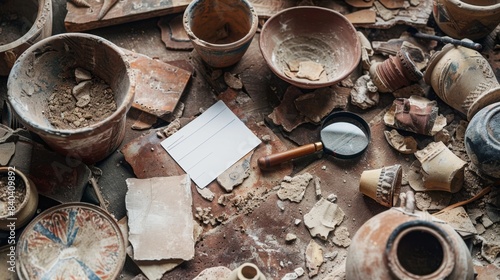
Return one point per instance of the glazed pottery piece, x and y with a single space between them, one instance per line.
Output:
307 34
17 182
395 72
383 184
246 271
71 241
482 140
404 243
441 169
472 19
29 90
463 79
220 31
34 22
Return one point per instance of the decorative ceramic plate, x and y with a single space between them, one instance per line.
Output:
71 241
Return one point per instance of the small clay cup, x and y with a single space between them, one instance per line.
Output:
246 271
24 211
36 16
482 140
463 79
36 74
221 31
383 184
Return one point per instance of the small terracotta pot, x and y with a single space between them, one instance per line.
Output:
38 13
383 184
246 271
28 92
221 31
395 72
441 169
463 79
472 19
482 140
26 210
403 243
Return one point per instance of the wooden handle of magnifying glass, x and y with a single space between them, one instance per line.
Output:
266 162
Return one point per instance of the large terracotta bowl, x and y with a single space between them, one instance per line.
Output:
315 34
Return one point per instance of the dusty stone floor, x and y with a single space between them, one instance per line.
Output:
250 222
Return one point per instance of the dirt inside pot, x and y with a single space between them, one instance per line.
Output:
12 27
76 105
7 196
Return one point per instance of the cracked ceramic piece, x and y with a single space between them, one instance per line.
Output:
416 114
403 144
317 104
434 174
395 72
459 220
341 237
233 81
214 273
160 218
173 34
364 94
323 218
310 70
314 258
286 114
383 184
366 50
236 174
463 79
435 200
294 188
7 150
206 193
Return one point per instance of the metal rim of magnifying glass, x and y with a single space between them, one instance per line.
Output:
355 119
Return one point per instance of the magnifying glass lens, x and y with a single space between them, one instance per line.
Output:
343 138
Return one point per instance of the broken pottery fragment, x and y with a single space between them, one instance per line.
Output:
317 104
459 220
7 150
144 121
434 174
233 81
323 218
487 272
82 75
173 34
435 200
383 12
341 237
364 94
310 70
416 114
393 4
490 250
364 16
366 50
360 3
214 273
160 218
206 193
403 144
294 188
383 184
314 258
286 114
317 186
236 174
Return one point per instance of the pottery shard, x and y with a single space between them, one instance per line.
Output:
341 237
286 114
232 81
7 150
364 94
310 70
314 257
236 174
403 144
294 188
81 89
206 193
82 75
323 218
214 273
459 220
317 104
160 218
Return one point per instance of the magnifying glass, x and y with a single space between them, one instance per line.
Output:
343 135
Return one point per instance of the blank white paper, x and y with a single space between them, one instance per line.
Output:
210 144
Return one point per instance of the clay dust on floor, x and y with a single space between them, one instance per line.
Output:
66 112
6 197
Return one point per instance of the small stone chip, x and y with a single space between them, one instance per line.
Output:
310 70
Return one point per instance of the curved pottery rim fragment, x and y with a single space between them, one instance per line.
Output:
77 240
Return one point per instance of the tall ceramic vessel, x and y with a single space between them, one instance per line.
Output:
404 243
472 19
463 79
